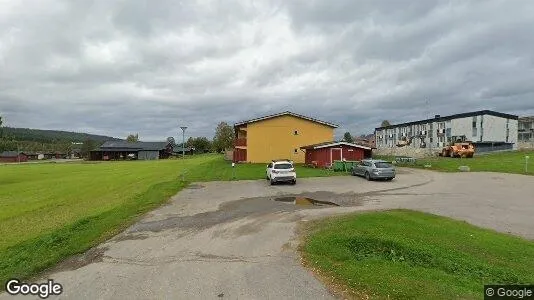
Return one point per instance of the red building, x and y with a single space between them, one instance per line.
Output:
324 154
13 156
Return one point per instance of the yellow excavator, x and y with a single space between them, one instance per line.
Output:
459 146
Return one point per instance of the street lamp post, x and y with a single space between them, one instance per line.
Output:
183 140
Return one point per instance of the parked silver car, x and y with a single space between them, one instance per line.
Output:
374 169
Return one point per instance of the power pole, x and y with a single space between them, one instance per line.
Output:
183 140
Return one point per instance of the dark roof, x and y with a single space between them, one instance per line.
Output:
332 144
133 146
10 154
456 116
178 149
120 150
286 113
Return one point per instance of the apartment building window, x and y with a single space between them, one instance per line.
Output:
481 127
507 130
474 126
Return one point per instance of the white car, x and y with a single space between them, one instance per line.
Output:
281 171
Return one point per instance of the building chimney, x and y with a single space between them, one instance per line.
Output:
437 116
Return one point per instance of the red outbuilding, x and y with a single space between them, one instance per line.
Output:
12 156
324 154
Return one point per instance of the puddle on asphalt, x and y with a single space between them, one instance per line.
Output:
304 201
243 208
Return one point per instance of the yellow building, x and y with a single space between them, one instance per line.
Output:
279 136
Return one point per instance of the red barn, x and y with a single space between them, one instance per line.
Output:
13 156
324 154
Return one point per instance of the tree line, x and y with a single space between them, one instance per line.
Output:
50 136
36 140
347 137
223 139
46 141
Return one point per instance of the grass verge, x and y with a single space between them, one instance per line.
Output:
51 211
220 170
406 254
503 162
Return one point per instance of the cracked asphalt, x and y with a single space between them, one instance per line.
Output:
234 240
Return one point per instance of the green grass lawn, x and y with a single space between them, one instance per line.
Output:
404 254
505 162
217 170
50 211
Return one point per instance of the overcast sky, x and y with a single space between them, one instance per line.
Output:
118 67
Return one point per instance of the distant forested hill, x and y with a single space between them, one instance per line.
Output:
37 140
52 136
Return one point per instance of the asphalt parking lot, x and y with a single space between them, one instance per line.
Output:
238 239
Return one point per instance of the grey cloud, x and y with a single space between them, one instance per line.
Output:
116 67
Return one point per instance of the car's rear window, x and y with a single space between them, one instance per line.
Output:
383 165
283 166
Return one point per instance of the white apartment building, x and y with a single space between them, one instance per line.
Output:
487 130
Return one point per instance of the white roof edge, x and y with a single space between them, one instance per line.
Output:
287 113
342 143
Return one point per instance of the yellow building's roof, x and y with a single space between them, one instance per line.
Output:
287 113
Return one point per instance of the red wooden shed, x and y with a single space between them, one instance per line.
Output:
12 156
324 154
